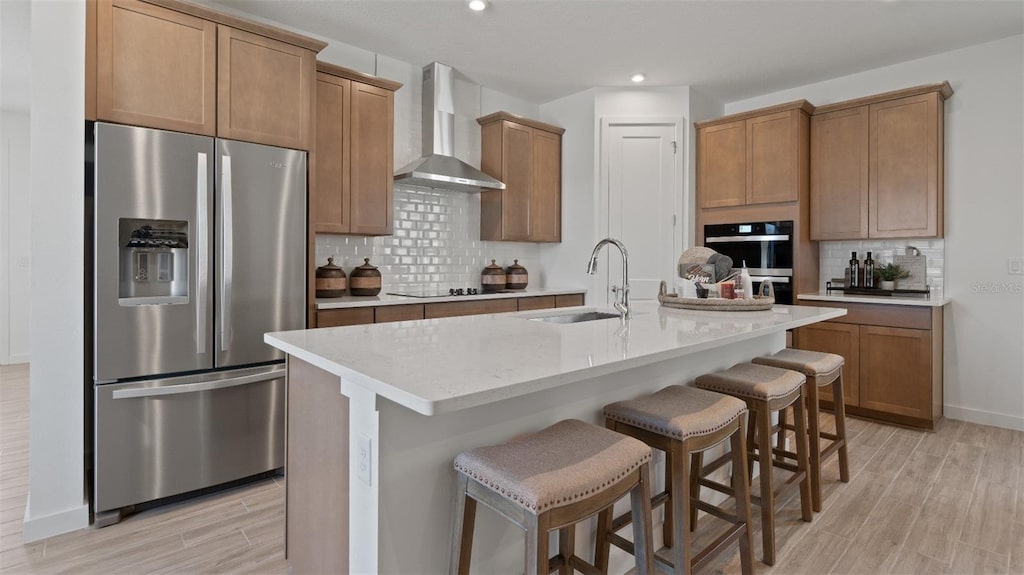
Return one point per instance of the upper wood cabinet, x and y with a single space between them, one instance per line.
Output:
185 67
155 67
264 89
353 160
527 156
877 166
757 157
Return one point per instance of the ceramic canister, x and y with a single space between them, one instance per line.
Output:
365 280
330 280
516 276
492 278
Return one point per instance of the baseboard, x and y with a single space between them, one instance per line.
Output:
36 528
984 417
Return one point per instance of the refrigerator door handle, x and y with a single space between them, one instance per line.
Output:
227 249
202 233
195 387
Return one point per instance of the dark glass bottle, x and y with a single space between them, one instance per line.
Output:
869 272
854 271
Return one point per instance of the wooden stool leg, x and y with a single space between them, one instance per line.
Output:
603 546
780 443
463 523
840 415
681 544
741 487
668 533
536 545
800 415
764 459
640 499
696 471
814 441
566 548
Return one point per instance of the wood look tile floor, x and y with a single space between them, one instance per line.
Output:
949 502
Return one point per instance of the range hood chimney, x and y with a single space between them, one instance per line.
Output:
439 168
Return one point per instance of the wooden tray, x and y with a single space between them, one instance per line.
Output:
759 303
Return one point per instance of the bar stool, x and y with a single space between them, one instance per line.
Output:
683 421
765 390
821 369
552 479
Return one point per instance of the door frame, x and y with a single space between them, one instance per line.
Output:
682 224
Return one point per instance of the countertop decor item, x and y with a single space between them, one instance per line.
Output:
365 280
493 278
889 274
759 303
330 280
516 276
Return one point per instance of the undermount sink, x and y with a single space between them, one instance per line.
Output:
576 317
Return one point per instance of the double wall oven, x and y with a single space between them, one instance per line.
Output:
766 247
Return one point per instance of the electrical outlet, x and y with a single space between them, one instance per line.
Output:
1016 266
364 457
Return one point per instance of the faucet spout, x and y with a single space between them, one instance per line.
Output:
621 293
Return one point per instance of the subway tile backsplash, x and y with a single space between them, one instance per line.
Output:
835 256
436 244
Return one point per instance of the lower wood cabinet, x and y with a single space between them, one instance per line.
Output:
340 317
407 312
477 307
389 313
536 302
569 300
893 368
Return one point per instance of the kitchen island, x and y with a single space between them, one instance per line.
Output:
376 414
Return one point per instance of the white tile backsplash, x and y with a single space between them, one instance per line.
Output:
835 256
436 244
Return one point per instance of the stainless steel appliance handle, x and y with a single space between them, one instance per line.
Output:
773 279
227 248
202 260
723 239
195 387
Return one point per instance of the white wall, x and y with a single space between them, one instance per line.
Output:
15 243
984 326
57 501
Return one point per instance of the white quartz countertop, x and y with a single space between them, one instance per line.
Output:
934 299
388 299
438 366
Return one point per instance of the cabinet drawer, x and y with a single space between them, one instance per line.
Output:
540 302
339 317
885 315
387 313
452 309
569 300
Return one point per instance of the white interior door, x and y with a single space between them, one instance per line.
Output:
644 197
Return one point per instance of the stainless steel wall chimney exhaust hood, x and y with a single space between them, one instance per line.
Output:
439 168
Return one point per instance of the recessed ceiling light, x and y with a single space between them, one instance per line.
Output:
637 78
477 5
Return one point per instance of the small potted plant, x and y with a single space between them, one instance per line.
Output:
886 276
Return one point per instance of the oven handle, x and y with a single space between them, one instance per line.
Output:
773 279
194 387
723 239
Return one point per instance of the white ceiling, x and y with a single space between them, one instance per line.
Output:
541 50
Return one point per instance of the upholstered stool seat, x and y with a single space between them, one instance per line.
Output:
552 479
821 369
683 421
766 389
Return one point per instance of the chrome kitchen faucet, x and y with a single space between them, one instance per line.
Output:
621 293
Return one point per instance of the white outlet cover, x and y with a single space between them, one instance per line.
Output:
364 458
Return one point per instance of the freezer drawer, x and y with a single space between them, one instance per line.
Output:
165 437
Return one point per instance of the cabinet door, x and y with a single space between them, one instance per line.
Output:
773 160
371 151
155 67
896 370
264 90
840 339
330 158
546 195
341 317
839 175
723 165
905 167
478 307
517 169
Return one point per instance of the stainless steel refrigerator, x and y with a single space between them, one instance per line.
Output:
199 249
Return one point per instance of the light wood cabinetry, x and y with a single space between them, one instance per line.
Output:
406 312
758 157
527 156
352 162
893 354
536 302
184 67
339 317
155 67
476 307
264 89
569 300
877 166
389 313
